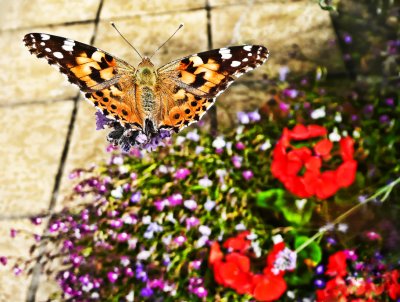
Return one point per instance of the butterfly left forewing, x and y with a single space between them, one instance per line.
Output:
195 81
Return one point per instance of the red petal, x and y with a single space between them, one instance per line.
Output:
269 288
293 167
323 147
243 262
239 244
326 185
346 173
302 153
315 131
299 132
347 148
228 272
296 185
215 254
337 265
244 284
217 269
313 164
310 180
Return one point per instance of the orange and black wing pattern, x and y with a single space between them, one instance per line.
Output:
198 79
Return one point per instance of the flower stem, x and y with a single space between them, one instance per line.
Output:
385 191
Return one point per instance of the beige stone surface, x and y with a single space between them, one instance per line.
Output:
25 78
121 8
32 139
190 39
298 34
87 147
30 13
14 288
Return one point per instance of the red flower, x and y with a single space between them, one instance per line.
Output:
334 291
268 287
233 269
289 162
392 284
337 265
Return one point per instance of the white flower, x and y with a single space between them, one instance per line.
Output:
209 205
117 193
283 71
334 136
144 255
256 248
179 140
285 261
166 239
342 227
327 227
170 217
130 297
190 204
192 135
204 230
318 113
201 241
240 227
300 203
118 160
356 134
266 145
290 294
338 117
163 169
199 149
219 142
205 182
239 129
277 239
146 219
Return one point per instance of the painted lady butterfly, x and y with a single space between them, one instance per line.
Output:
144 103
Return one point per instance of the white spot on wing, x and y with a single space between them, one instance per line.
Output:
67 47
226 55
42 43
247 47
235 63
44 37
47 49
58 55
245 59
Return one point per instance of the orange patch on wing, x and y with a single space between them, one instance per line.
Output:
107 73
84 69
187 77
210 75
89 81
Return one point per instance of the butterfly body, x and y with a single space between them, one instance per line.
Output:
146 100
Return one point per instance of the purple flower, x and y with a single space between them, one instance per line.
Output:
284 107
209 205
192 222
3 260
389 101
319 283
146 292
193 136
76 260
347 38
112 276
384 119
129 272
17 270
36 220
196 264
180 240
239 146
115 223
135 198
122 237
237 161
319 270
247 174
291 93
13 233
200 291
254 116
175 199
182 173
243 117
101 120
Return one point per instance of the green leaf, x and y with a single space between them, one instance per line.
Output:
268 199
312 251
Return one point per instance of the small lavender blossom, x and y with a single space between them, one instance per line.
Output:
200 291
115 223
198 150
319 270
247 174
191 222
243 117
36 220
182 173
254 116
237 161
285 260
146 292
117 193
283 72
180 240
122 237
101 120
347 39
135 198
209 205
17 270
284 106
193 136
196 264
291 93
13 233
389 101
190 204
204 230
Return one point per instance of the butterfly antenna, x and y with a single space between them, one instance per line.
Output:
179 27
115 27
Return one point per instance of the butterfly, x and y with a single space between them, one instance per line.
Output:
146 103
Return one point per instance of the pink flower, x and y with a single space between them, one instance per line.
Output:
247 174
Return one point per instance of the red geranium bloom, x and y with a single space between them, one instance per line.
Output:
392 284
268 287
335 291
337 265
290 162
238 243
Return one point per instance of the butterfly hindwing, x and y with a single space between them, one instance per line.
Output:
197 79
86 66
